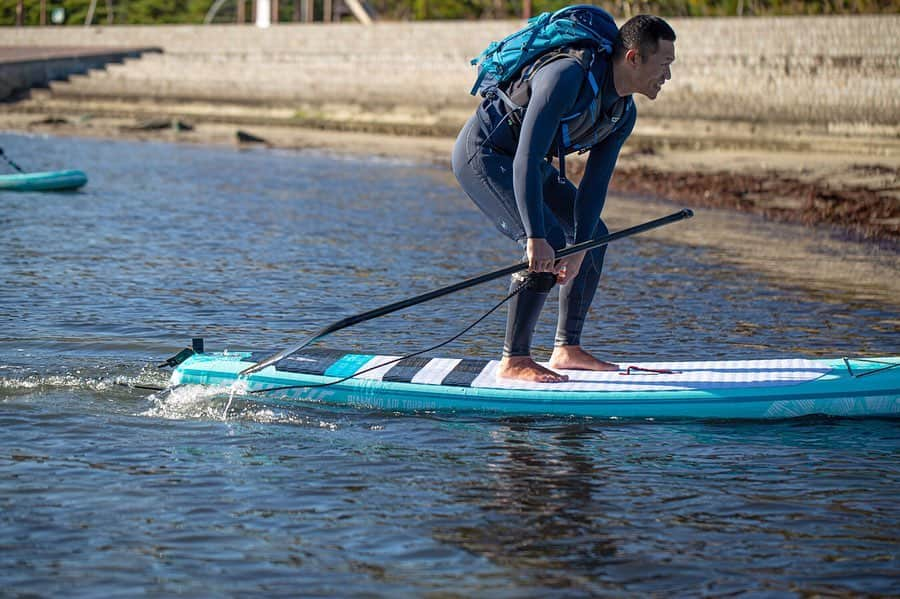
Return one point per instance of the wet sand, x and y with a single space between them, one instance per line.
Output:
825 221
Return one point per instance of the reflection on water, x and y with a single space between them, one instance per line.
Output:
108 489
538 503
598 508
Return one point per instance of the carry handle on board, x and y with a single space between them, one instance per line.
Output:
375 313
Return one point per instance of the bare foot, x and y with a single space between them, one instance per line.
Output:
572 357
523 368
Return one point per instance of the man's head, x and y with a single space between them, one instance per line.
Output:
644 50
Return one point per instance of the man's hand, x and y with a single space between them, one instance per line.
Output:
568 268
541 256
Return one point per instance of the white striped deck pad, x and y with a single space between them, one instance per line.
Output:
481 373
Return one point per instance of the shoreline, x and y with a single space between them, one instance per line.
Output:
772 212
849 184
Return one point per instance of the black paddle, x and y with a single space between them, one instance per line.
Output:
375 313
11 163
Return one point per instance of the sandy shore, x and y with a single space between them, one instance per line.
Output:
823 220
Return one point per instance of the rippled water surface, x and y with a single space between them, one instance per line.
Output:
108 490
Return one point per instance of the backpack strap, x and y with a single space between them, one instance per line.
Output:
564 123
565 141
519 90
513 107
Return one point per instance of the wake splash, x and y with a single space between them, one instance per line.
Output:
225 403
76 380
183 402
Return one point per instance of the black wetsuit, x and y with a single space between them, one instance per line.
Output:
504 169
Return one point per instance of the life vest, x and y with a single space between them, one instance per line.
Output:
587 125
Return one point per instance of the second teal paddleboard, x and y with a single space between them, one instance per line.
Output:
43 181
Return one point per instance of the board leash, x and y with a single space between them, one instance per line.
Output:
521 287
184 354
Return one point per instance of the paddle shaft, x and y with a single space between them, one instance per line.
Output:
483 278
11 163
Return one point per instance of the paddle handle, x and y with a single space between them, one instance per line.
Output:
607 239
477 280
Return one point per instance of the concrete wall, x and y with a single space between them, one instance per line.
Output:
811 70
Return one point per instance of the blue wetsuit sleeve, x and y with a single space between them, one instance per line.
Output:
597 174
554 91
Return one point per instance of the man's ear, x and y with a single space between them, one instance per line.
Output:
632 57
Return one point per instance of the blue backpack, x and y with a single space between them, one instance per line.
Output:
573 25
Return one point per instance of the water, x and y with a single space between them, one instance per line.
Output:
108 490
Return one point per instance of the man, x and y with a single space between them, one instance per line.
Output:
501 160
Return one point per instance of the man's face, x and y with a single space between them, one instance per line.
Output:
653 72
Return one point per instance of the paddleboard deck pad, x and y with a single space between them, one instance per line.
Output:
757 389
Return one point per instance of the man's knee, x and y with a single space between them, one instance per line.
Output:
594 259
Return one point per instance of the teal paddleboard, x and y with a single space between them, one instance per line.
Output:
757 389
44 181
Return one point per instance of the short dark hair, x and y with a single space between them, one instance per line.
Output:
642 33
